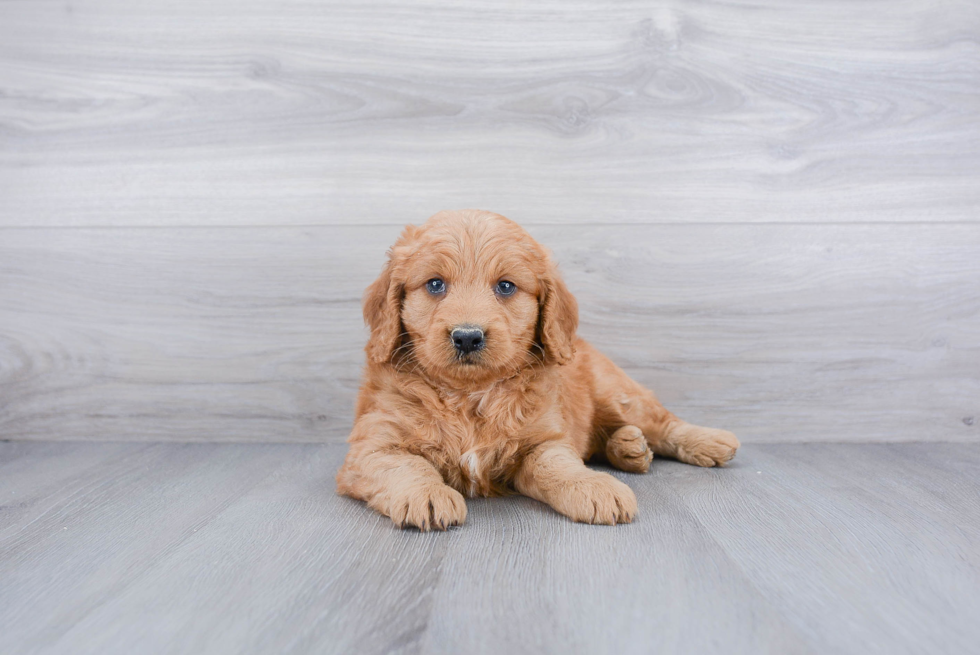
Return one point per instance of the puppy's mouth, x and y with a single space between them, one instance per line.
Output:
469 359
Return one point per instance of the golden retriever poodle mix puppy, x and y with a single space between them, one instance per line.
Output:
477 385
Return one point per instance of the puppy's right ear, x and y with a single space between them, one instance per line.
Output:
382 303
382 313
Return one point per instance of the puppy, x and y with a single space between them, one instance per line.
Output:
476 384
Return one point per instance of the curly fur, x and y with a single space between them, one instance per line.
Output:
523 414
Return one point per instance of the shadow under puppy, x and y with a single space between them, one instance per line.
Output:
476 384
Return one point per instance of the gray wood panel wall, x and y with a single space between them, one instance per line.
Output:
768 210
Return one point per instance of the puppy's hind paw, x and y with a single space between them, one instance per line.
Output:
704 446
627 450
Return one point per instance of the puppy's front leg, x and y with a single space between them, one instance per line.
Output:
554 474
402 486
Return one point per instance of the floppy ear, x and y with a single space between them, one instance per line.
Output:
557 319
382 312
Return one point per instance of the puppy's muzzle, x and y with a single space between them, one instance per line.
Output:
467 339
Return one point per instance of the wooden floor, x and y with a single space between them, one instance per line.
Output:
245 548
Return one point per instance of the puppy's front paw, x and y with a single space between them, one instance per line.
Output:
597 498
704 446
431 507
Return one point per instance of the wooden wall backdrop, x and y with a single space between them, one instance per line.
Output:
769 209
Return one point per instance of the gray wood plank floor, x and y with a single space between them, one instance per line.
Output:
244 548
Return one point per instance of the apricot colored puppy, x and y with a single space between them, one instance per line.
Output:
476 384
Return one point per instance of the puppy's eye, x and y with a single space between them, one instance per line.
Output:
435 286
506 288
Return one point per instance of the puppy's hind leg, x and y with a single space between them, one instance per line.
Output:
622 403
669 436
627 450
694 444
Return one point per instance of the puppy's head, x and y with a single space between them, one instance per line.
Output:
469 296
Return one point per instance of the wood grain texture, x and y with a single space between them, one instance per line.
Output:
287 567
243 548
272 113
523 579
778 332
913 504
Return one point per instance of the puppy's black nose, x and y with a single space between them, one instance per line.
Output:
467 339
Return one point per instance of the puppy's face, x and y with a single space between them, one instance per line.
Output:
470 304
469 297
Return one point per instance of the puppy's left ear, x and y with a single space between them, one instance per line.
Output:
557 319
